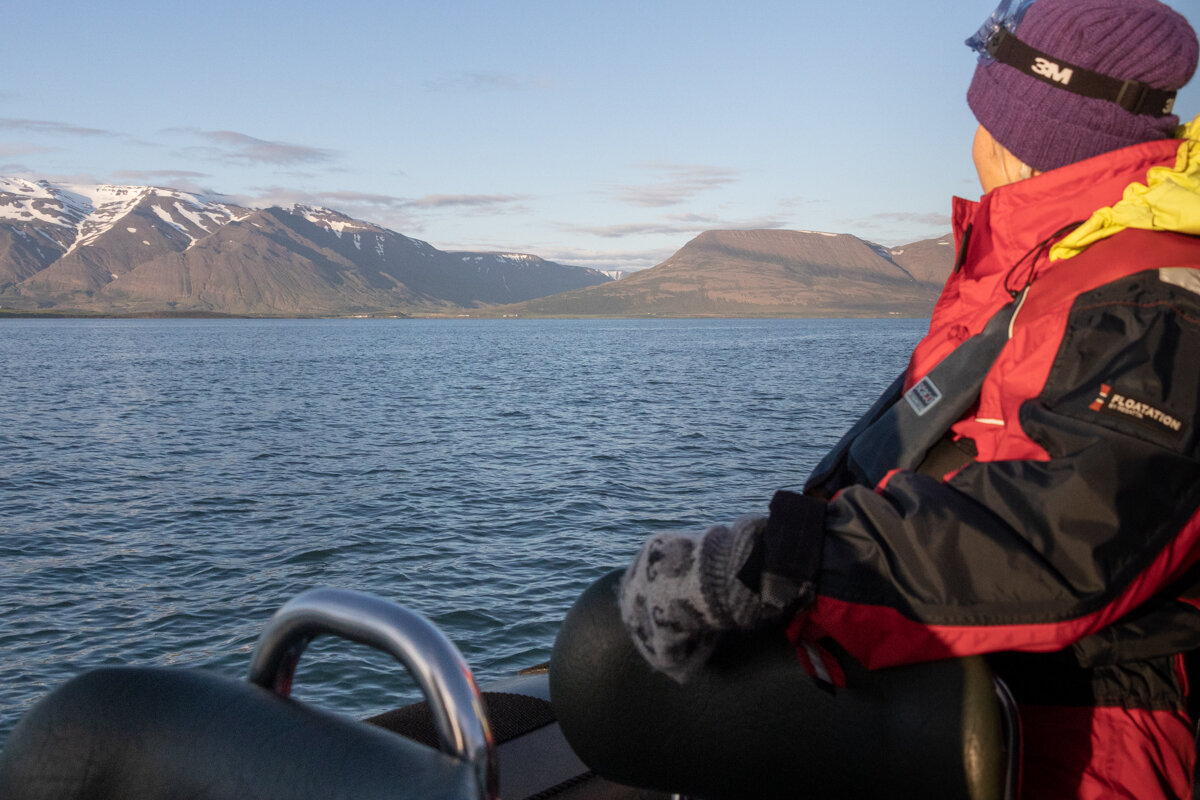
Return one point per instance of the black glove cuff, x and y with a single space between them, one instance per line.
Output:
791 550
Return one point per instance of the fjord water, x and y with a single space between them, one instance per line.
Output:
165 485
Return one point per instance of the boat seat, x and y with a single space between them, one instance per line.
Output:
753 724
144 733
140 733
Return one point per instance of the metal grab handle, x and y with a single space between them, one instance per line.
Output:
432 659
1011 718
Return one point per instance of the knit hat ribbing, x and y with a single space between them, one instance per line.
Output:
1048 127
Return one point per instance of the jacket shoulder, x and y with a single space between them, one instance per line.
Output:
1141 249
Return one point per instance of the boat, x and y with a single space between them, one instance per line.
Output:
594 723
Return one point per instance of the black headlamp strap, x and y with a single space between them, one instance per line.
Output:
1133 96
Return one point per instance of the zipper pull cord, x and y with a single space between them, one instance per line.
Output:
1036 251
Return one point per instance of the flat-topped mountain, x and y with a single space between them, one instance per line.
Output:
770 273
130 249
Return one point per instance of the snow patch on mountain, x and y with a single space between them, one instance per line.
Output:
329 219
165 216
90 211
197 219
105 206
38 201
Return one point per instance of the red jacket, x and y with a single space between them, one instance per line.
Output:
1071 523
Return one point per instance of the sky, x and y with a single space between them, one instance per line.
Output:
598 133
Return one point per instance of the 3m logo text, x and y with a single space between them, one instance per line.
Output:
1052 71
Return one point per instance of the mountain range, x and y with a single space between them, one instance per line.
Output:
130 249
138 249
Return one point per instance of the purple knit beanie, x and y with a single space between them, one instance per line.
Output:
1048 127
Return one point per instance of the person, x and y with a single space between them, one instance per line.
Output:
1029 489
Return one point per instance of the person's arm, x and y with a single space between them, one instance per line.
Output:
1005 555
1034 555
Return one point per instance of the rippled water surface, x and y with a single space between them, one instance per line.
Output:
165 485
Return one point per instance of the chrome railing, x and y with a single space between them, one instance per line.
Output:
459 715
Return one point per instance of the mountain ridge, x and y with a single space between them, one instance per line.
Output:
769 273
131 249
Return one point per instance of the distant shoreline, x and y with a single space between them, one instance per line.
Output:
6 313
55 314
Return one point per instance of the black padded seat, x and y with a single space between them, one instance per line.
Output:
166 734
753 724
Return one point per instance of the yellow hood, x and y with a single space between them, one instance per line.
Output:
1169 200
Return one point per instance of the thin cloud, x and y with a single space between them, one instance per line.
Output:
679 225
914 218
67 179
755 224
240 148
264 196
694 219
799 201
630 229
476 201
14 149
894 228
673 184
183 180
624 260
362 199
407 215
485 202
47 127
158 174
472 82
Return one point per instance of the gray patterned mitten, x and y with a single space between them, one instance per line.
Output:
682 590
